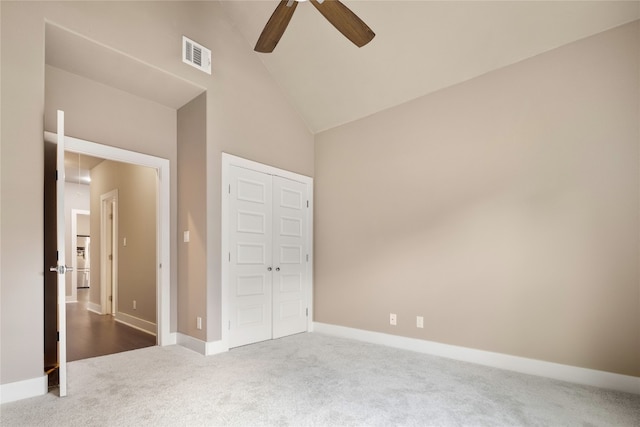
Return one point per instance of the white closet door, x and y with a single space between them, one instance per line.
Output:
289 257
250 221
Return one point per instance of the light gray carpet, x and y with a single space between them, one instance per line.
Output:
312 380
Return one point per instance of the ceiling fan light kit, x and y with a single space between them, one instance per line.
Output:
339 15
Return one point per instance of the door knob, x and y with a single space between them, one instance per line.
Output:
61 269
277 268
269 268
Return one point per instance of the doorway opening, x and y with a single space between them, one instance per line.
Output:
95 325
98 323
160 230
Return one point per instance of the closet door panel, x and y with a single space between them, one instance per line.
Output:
250 243
289 257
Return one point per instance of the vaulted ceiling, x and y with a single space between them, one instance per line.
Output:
420 47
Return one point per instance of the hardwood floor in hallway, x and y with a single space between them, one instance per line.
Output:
91 335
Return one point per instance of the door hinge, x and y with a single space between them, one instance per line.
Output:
56 174
307 203
57 256
110 297
57 336
110 216
110 257
307 312
307 257
229 188
229 256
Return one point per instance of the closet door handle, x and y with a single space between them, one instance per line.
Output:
269 268
277 268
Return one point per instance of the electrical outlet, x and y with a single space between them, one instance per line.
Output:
419 322
134 305
393 320
199 322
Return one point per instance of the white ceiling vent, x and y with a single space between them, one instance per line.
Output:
196 55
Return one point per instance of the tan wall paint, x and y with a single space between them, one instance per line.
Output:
102 114
192 216
22 273
247 115
136 187
505 210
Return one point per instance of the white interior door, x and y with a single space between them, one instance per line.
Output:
250 257
268 239
289 257
61 267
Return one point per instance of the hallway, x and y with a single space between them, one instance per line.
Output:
91 335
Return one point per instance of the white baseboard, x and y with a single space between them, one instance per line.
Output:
136 323
93 307
523 365
205 348
172 339
216 347
192 343
23 389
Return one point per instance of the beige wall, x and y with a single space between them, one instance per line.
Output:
102 114
505 210
192 216
246 115
136 210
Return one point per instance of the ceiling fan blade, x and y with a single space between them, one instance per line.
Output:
275 26
345 21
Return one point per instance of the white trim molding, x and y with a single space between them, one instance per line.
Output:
191 343
109 252
137 323
23 389
523 365
95 308
215 347
209 348
172 338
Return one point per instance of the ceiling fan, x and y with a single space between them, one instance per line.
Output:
335 12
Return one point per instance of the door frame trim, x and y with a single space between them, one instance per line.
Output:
112 198
229 160
163 225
